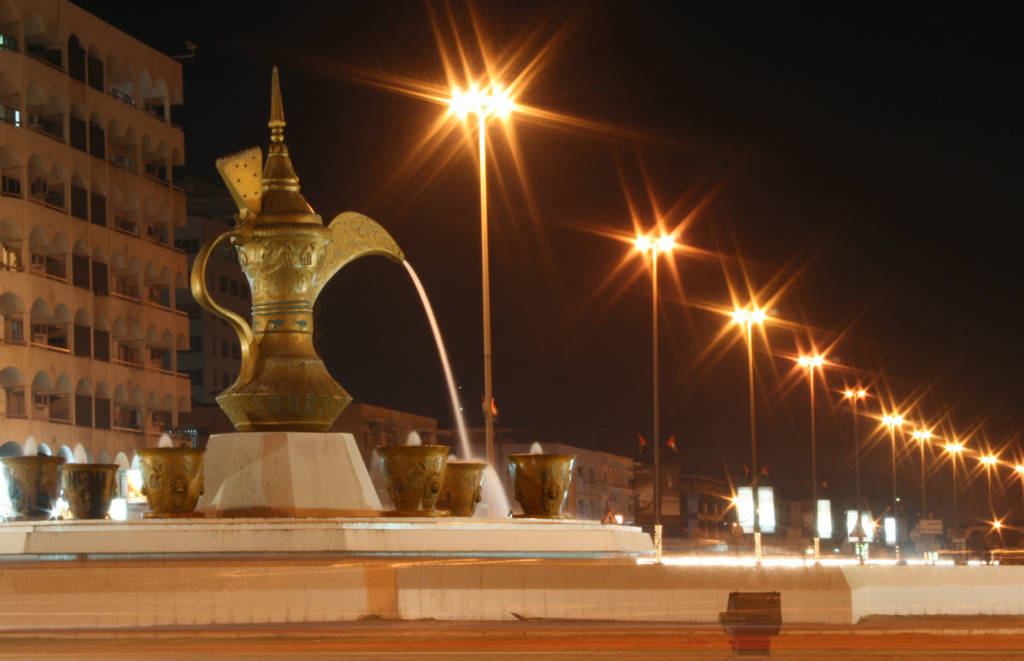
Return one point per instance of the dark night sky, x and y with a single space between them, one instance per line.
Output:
871 156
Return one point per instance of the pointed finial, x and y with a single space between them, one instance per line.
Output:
276 122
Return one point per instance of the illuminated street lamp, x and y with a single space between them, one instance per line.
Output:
858 529
892 421
811 363
989 461
748 318
645 245
495 102
953 450
922 436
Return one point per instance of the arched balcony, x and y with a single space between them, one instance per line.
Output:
10 173
127 278
48 258
10 247
13 383
127 409
12 308
128 341
50 330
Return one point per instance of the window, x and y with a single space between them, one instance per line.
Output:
80 271
95 71
98 205
10 256
100 282
15 397
102 409
76 59
224 348
83 411
196 343
195 377
236 351
14 329
78 132
97 141
234 287
100 344
83 341
79 202
223 284
10 185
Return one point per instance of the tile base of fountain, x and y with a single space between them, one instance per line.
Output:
286 474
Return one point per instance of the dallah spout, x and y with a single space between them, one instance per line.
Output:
353 235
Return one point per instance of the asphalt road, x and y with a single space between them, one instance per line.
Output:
880 638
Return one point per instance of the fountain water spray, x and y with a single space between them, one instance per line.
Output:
495 501
460 424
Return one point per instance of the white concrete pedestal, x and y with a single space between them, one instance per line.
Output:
272 474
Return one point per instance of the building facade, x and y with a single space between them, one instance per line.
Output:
90 280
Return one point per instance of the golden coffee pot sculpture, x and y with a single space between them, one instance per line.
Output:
288 255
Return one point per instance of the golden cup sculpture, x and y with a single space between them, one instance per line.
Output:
288 255
541 483
413 475
89 488
172 481
33 486
462 488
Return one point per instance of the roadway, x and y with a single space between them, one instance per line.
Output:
960 638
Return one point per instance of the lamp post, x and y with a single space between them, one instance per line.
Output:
953 450
645 245
892 421
747 318
922 436
858 528
989 461
496 102
811 363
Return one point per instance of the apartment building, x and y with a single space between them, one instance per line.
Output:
90 278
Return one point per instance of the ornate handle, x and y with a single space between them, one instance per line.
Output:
250 349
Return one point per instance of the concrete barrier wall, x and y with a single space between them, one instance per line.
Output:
931 590
89 594
623 592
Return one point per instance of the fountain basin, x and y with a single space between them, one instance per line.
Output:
413 475
462 489
33 486
89 488
172 481
541 482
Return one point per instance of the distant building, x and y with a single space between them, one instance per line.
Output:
706 506
90 281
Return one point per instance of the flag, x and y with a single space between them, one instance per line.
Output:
642 440
746 469
494 408
764 470
672 442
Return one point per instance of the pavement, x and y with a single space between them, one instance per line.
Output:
874 639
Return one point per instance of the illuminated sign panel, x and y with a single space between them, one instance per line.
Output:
745 508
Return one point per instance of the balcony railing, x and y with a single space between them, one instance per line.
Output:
124 162
123 97
122 224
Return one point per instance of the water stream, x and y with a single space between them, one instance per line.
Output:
460 424
495 501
